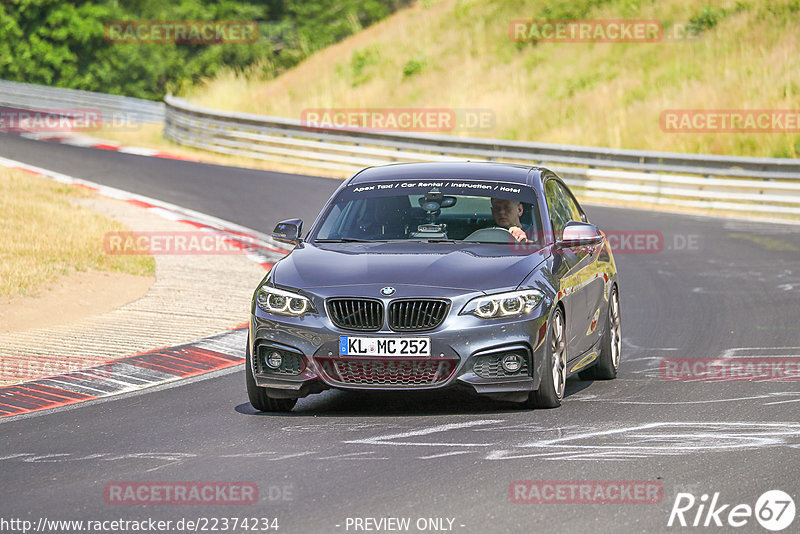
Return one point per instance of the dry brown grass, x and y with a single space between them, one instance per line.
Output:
605 94
46 234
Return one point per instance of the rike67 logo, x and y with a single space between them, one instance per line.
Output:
774 510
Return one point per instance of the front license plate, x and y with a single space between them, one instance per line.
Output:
384 346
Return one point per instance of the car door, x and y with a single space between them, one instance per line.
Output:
590 279
566 265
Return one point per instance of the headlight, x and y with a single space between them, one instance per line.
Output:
282 302
504 304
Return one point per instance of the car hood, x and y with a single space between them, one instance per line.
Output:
467 266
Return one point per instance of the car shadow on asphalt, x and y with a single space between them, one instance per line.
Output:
342 403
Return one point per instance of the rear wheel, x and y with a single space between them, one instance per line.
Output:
610 346
554 374
258 395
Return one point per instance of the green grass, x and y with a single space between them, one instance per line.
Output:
458 53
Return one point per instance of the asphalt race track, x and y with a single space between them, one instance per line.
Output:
715 289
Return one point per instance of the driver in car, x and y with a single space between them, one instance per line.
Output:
506 214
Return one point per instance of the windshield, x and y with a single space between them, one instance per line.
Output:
432 210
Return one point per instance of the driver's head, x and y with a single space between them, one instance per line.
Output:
506 212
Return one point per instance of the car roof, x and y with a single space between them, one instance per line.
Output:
457 170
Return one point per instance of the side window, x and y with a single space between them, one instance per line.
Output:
560 213
576 214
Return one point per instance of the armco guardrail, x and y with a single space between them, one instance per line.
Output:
766 185
113 107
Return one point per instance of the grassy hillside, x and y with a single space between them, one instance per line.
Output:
458 54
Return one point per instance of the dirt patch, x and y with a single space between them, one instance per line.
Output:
71 298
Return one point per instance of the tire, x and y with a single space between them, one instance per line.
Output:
610 346
258 395
554 374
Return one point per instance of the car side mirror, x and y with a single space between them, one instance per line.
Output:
577 234
288 231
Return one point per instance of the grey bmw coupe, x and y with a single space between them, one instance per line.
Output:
481 276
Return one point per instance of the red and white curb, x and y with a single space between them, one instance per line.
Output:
219 351
68 138
265 252
131 373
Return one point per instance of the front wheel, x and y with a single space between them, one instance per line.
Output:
258 395
554 374
610 346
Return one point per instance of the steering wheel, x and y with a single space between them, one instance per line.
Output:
495 234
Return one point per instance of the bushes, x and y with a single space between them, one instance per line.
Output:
62 44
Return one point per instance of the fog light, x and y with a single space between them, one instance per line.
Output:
274 360
511 363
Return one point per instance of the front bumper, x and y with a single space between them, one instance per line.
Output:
456 346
